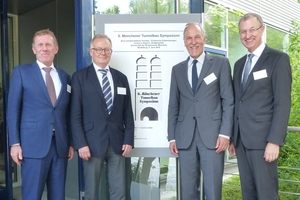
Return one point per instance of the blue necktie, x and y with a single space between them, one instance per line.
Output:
247 70
194 76
106 90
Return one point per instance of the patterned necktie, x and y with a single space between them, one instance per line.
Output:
50 85
106 90
247 70
194 76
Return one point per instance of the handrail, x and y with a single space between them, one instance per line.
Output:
293 128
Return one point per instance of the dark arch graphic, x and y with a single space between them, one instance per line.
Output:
150 113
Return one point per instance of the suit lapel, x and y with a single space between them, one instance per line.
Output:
92 76
240 72
258 66
37 75
63 82
184 72
208 60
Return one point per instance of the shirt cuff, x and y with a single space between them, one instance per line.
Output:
224 136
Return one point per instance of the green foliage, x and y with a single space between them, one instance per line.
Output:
231 189
216 22
294 53
151 6
112 10
276 39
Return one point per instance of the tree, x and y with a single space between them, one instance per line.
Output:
112 10
294 53
151 7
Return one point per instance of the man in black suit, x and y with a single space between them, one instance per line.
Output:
102 120
262 107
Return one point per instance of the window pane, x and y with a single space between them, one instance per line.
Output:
134 6
235 48
184 6
277 39
155 177
214 17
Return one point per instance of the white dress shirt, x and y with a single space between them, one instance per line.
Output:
54 75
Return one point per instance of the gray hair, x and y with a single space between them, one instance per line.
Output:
250 15
194 24
100 36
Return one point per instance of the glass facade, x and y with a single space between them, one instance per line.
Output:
141 7
277 39
156 176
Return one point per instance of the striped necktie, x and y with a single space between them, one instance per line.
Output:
106 90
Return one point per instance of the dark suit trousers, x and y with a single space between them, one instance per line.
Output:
259 179
37 172
197 157
115 173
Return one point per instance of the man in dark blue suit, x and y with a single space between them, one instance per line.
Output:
38 121
102 120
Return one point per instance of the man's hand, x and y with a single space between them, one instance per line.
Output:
173 148
84 153
126 148
271 152
222 144
71 153
231 150
16 154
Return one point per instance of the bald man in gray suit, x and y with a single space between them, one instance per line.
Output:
200 116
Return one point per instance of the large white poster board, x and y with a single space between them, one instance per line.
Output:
146 52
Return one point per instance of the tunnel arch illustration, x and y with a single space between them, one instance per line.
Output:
149 113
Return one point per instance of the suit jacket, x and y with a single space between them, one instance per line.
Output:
211 106
262 110
31 116
90 123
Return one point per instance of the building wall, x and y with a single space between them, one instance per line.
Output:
278 13
59 17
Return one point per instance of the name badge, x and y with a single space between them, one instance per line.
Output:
210 78
69 88
260 74
121 90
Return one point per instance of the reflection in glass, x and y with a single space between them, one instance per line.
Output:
277 39
140 7
153 178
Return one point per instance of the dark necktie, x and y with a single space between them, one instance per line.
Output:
194 76
50 85
247 70
106 90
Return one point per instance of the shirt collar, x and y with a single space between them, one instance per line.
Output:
257 52
97 67
42 65
200 59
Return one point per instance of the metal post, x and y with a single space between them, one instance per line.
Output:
5 86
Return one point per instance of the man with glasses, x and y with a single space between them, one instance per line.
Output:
262 85
102 120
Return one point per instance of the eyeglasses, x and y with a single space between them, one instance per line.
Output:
251 31
100 50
